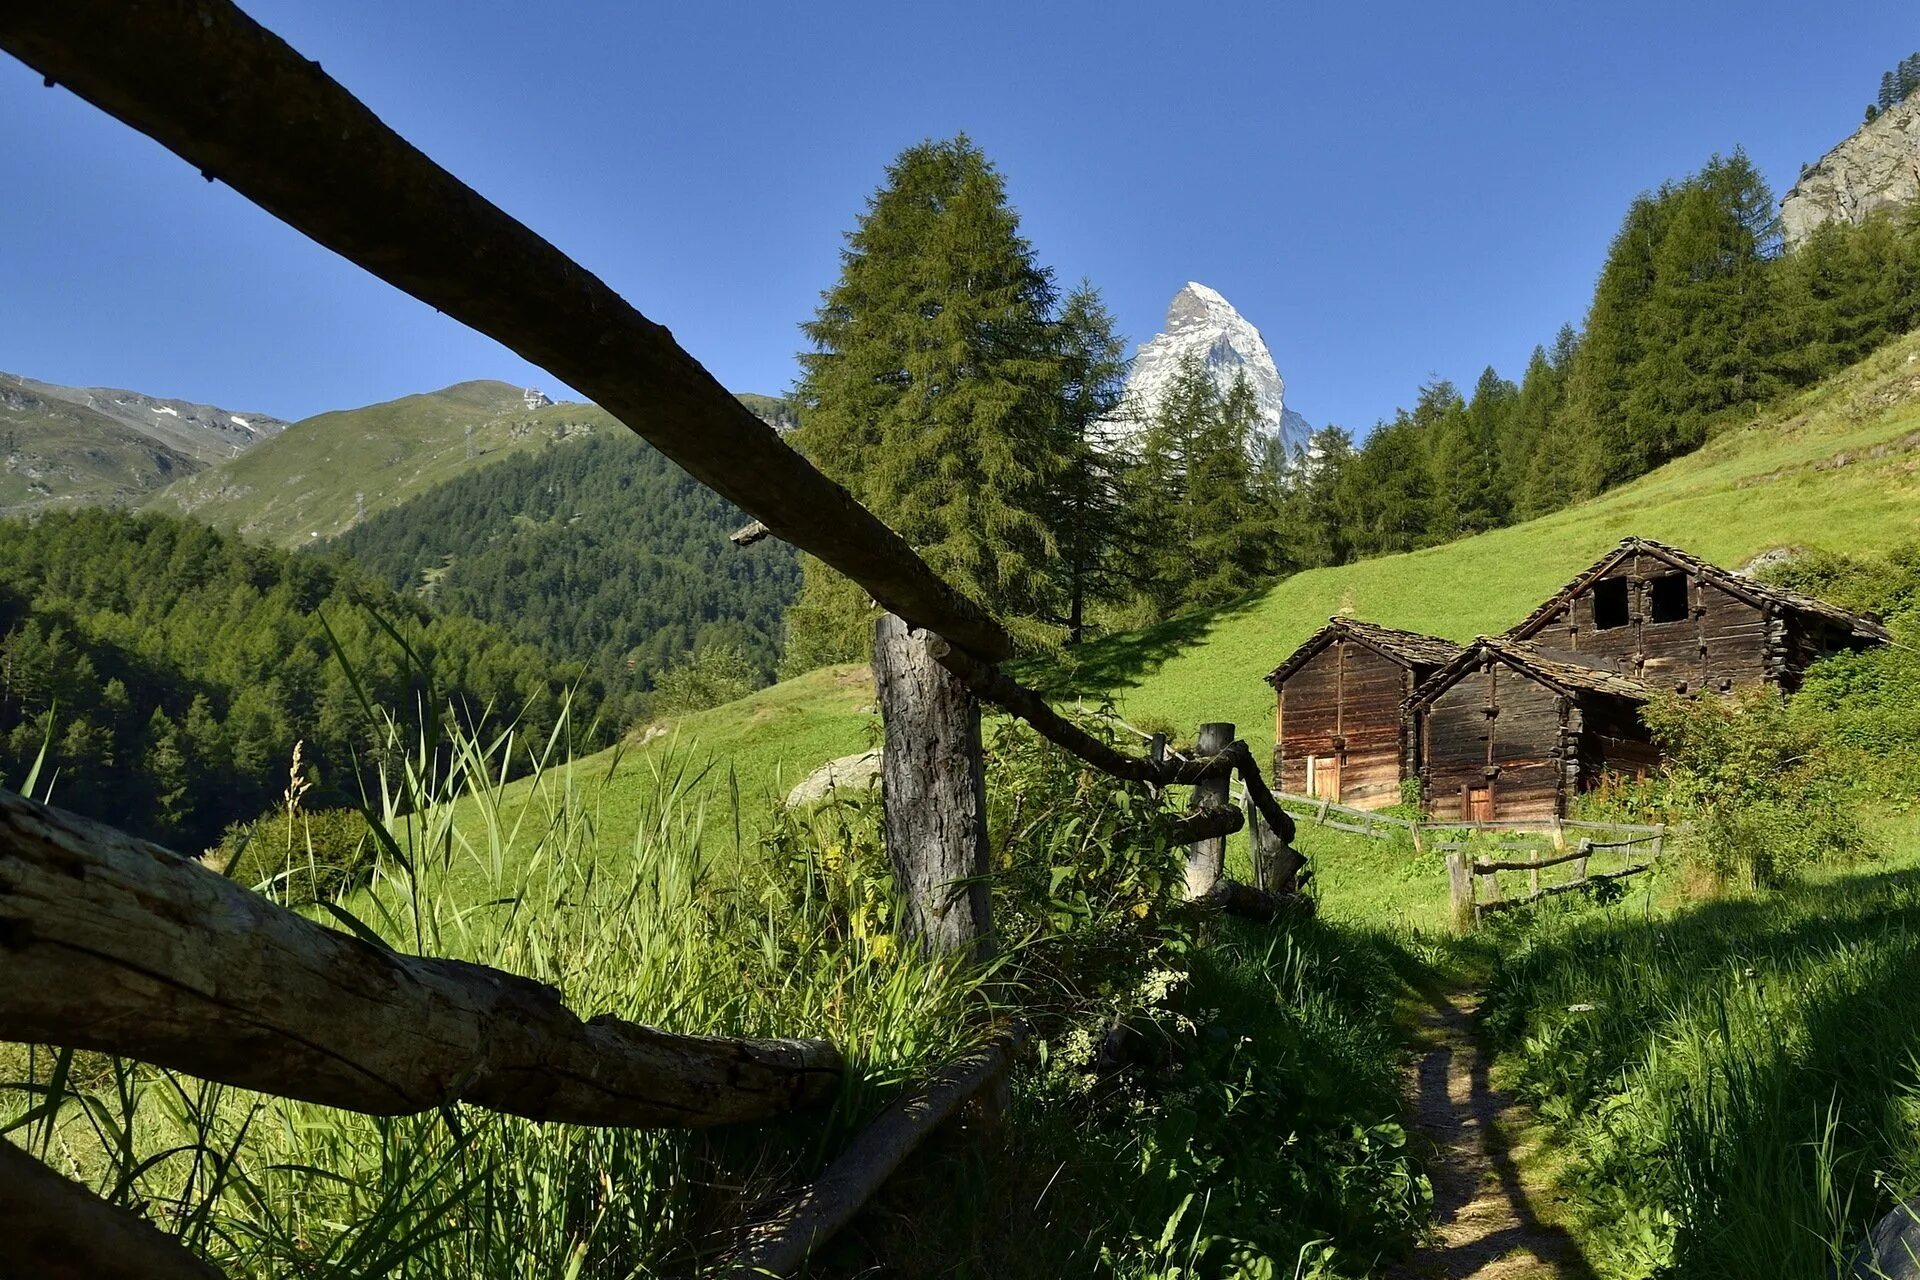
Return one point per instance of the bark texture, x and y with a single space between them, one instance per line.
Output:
1206 858
54 1229
934 788
225 94
114 944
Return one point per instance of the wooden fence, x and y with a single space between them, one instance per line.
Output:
1535 846
118 945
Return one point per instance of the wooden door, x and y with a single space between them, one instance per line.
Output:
1479 804
1323 778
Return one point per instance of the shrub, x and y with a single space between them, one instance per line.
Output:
298 857
707 677
1766 797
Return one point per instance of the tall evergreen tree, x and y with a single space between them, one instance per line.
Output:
1087 512
1889 91
933 391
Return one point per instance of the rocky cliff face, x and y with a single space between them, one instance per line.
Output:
1877 168
1203 325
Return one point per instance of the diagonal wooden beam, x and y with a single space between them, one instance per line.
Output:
55 1229
231 98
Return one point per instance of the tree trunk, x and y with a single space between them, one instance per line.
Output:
934 789
114 944
1207 859
53 1229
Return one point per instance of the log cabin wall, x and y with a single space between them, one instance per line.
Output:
1665 625
1493 745
1612 741
1342 706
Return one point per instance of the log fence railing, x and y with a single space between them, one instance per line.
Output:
1473 884
121 946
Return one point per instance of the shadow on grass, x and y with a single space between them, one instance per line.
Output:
1765 1049
1116 662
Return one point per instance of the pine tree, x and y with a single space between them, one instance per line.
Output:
1087 512
1889 91
932 390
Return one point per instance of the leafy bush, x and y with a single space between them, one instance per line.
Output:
1766 798
711 675
297 856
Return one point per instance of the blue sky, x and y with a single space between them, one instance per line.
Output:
1389 191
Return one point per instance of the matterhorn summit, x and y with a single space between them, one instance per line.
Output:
1202 325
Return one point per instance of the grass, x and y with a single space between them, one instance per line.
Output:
1734 1082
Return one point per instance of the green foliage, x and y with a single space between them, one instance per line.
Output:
599 551
1202 508
951 390
175 668
1766 800
709 676
1865 707
298 856
1734 1084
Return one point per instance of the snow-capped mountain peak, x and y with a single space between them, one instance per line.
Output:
1202 325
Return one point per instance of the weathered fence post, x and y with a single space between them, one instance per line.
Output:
1276 864
1460 888
1207 859
1580 863
934 791
1533 876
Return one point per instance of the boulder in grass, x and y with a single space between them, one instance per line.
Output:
857 772
1892 1251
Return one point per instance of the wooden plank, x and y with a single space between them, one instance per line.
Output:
1532 864
234 100
115 944
55 1229
781 1245
1568 887
933 790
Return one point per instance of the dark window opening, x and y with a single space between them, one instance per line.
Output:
1667 598
1610 604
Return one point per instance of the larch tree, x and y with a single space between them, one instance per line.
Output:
933 392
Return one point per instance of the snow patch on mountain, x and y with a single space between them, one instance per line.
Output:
1202 325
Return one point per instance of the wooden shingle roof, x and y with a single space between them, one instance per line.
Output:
1563 670
1759 594
1408 648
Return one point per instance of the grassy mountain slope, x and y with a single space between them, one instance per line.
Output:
326 473
599 550
1837 467
318 476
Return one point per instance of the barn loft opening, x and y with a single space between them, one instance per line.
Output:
1610 604
1667 598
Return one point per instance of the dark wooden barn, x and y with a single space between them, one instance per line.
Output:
1338 699
1511 731
1677 622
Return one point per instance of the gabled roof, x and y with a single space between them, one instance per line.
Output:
1565 671
1759 594
1408 648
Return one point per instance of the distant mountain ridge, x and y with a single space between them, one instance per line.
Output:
325 474
102 446
1202 325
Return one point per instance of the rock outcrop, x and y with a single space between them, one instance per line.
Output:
849 773
1877 168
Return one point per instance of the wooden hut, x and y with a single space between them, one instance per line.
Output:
1675 621
1337 728
1511 731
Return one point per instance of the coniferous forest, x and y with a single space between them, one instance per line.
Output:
600 552
168 669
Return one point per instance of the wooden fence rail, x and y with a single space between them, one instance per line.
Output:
115 944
